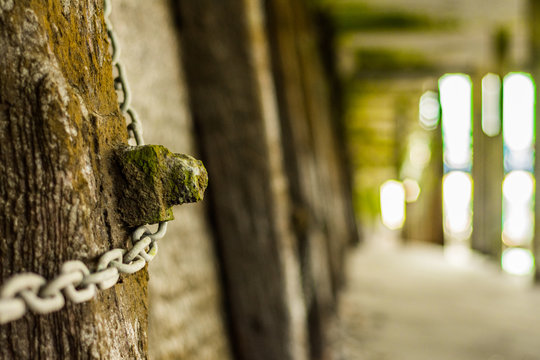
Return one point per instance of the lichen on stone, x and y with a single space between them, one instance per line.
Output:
155 180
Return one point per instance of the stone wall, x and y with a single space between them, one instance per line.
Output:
185 315
253 271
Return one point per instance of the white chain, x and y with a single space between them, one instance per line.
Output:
120 80
30 291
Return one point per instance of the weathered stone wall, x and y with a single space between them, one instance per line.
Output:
281 206
322 217
252 272
59 126
185 316
278 206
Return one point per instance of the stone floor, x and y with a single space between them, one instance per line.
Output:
408 303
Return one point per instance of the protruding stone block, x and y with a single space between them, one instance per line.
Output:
155 180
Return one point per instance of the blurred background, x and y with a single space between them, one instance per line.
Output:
372 176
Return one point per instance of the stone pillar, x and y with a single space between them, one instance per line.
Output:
534 38
186 315
488 173
233 104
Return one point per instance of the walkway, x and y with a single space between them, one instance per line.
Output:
408 303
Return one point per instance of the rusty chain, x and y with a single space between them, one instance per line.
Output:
76 282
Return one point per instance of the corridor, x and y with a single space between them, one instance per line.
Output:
407 302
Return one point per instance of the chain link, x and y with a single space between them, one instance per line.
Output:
29 291
120 81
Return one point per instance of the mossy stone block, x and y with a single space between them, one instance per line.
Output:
155 179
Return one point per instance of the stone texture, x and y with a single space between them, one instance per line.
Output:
59 126
155 179
185 314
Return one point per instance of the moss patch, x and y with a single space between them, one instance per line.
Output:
155 180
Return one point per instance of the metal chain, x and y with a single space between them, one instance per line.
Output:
30 291
120 81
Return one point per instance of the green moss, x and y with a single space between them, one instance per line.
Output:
186 181
145 158
160 215
349 17
385 60
157 179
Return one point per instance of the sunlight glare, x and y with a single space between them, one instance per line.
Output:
429 110
392 195
455 94
518 226
517 261
518 111
491 104
518 187
518 193
457 196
